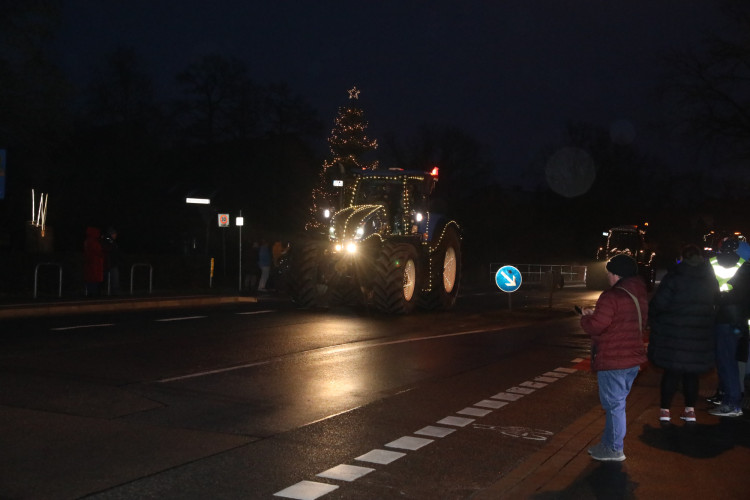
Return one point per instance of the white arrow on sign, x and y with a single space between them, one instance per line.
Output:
509 281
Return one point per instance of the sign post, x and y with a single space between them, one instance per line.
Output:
508 279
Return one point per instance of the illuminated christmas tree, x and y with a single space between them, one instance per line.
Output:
349 146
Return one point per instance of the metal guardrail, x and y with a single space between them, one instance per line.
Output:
540 273
59 280
150 276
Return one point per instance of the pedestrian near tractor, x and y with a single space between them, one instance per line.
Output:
681 339
615 326
93 261
731 328
264 263
111 260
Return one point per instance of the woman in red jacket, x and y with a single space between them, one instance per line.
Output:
93 261
615 326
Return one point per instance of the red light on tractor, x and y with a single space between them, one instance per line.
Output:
434 172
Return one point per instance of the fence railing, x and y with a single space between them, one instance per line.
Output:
150 275
59 276
537 274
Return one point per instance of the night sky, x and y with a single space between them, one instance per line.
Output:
511 74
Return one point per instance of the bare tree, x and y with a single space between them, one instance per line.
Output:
710 88
221 101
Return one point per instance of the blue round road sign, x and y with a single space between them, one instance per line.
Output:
508 279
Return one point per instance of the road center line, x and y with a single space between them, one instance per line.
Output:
180 319
62 328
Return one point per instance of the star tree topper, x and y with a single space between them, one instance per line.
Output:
354 93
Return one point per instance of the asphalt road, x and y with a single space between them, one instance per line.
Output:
253 400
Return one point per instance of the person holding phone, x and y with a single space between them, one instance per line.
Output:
615 326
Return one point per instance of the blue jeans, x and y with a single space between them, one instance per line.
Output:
614 387
726 364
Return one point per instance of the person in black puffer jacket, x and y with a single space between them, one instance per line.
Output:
681 316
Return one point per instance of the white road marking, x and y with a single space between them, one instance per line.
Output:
533 385
76 327
474 412
345 472
491 403
409 443
457 421
383 457
520 390
328 350
181 319
306 490
257 312
434 431
565 370
507 396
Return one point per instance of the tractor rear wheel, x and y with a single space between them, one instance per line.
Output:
445 274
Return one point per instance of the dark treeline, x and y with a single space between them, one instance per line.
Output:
112 153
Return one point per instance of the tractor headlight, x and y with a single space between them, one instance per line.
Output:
351 247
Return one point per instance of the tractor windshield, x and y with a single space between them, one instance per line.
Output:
378 191
624 241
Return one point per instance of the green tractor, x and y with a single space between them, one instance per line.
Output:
629 240
383 248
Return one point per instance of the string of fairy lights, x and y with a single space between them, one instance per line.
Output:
348 144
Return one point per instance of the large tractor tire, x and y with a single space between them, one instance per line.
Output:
395 282
445 274
305 287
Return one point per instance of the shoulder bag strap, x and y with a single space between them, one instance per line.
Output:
637 306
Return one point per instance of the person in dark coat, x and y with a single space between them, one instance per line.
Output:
681 316
93 261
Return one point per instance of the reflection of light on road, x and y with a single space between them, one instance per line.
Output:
326 351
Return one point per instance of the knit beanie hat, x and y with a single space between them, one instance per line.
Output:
622 265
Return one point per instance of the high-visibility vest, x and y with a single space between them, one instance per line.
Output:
724 274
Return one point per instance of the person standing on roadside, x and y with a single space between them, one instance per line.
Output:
733 276
615 326
264 263
681 340
111 260
93 261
